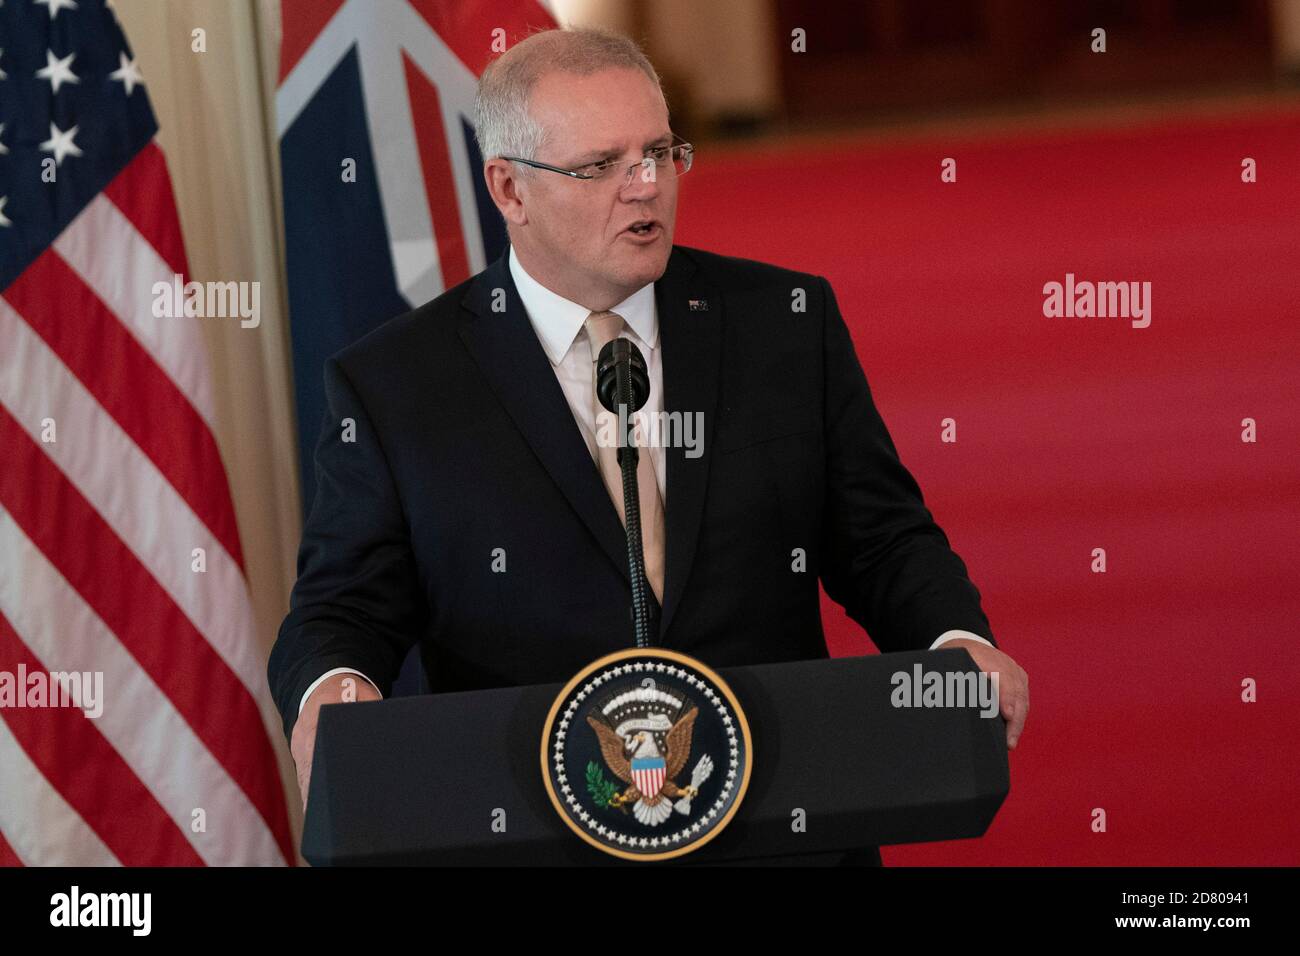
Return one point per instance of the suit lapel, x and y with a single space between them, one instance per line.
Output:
507 351
690 332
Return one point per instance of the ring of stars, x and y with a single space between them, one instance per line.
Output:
690 829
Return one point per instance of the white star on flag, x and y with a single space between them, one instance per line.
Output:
3 148
56 5
128 73
3 74
4 220
57 71
61 144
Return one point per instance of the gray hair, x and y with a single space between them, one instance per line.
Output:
502 123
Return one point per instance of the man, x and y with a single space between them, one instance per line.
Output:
466 502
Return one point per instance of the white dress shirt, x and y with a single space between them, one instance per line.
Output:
561 330
560 327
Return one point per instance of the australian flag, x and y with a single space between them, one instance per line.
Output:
384 202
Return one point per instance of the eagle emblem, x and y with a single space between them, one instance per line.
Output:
648 752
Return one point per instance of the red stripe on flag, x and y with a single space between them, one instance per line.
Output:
467 26
82 765
301 21
130 385
203 689
439 187
143 192
7 855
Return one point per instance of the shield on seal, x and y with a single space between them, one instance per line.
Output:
648 774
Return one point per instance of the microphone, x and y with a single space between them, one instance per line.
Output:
619 366
623 387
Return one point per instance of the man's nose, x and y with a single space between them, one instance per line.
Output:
640 181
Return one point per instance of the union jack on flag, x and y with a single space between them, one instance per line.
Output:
110 482
384 202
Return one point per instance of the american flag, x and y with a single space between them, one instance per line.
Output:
384 201
110 482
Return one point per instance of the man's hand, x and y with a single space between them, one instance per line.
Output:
1013 683
303 739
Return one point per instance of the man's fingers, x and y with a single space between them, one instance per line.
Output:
1013 694
304 783
1019 713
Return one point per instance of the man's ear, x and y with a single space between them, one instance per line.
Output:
503 186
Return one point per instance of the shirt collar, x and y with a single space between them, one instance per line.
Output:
558 321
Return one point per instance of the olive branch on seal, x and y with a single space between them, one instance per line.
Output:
602 790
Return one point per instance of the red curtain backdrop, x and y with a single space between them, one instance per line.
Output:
1083 433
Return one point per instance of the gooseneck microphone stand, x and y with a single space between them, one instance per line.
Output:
623 386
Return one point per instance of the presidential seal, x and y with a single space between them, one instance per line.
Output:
646 754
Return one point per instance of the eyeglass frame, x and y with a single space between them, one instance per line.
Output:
627 178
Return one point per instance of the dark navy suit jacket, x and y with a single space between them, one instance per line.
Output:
464 444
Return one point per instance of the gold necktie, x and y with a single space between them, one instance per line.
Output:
602 328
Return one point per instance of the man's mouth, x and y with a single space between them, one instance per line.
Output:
644 231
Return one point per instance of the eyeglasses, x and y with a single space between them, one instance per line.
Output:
680 155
